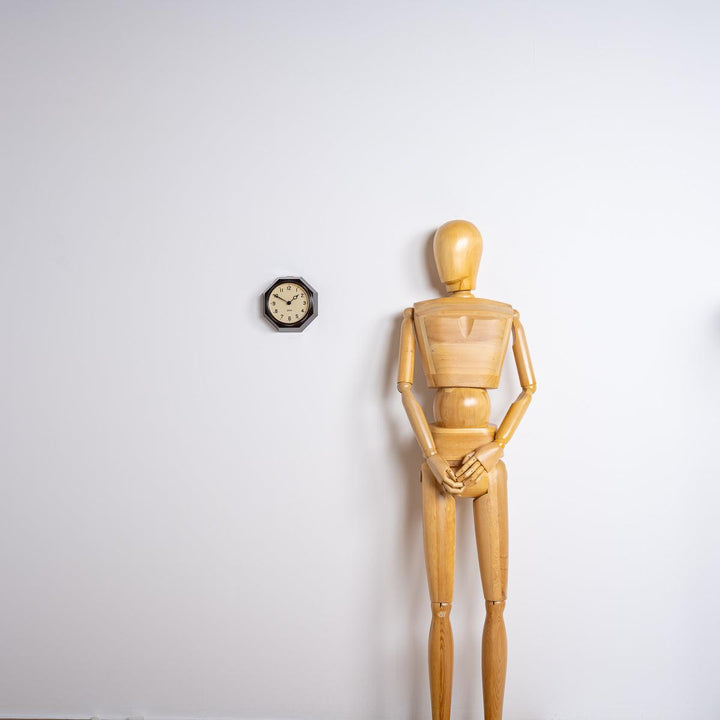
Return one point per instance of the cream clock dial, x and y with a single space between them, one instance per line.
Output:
290 304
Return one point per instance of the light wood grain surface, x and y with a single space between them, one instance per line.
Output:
462 341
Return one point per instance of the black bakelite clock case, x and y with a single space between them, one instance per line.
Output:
301 324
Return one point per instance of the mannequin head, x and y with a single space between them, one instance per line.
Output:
457 248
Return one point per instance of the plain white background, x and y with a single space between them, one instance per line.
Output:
201 517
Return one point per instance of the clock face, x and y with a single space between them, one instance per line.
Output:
288 303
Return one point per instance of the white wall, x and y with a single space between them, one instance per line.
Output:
201 517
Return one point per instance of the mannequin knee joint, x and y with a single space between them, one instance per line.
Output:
494 607
441 610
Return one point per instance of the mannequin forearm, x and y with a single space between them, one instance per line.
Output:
527 381
417 419
513 417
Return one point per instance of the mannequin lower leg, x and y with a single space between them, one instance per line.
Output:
494 659
491 535
440 655
439 542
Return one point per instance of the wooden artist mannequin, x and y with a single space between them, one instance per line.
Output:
462 341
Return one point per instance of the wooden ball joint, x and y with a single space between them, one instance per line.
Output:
462 342
290 304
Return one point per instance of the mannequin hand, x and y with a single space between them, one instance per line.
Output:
478 462
444 475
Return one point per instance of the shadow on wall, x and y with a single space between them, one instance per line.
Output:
404 558
398 591
431 268
399 654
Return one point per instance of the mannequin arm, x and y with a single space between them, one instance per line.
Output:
406 370
475 464
527 382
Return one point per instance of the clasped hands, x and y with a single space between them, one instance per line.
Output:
473 467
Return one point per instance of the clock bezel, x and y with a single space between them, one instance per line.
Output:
311 314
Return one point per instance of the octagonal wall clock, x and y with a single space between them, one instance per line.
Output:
290 304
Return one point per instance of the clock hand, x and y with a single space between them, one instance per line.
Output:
278 297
